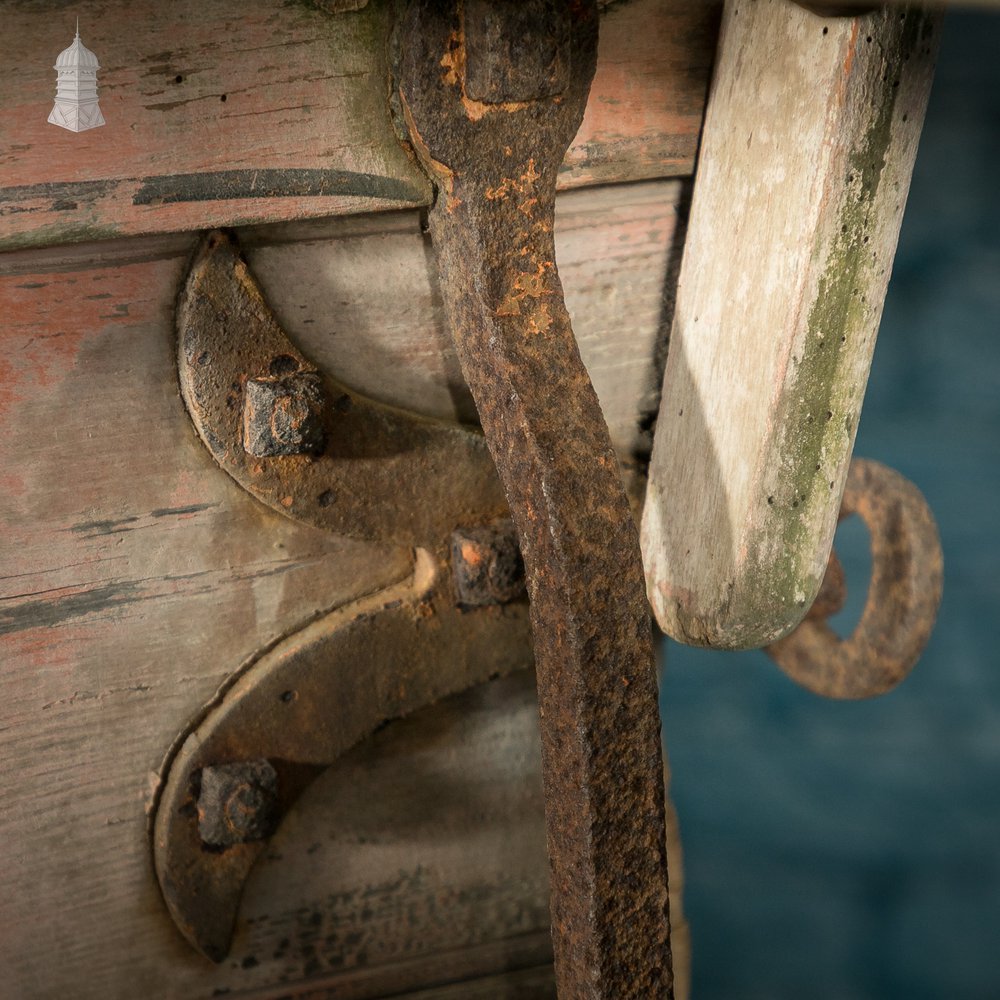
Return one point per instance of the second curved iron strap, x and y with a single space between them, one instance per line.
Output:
494 156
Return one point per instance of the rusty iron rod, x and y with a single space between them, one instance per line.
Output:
494 158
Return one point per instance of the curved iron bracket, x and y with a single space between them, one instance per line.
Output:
314 451
242 764
301 442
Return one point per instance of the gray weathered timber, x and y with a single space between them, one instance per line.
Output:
809 143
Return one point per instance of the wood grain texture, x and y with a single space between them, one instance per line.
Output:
423 843
809 143
365 304
135 577
228 113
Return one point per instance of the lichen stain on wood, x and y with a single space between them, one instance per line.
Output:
820 411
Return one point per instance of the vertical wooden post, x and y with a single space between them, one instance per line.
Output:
808 147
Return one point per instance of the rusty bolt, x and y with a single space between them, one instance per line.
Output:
283 415
487 564
237 803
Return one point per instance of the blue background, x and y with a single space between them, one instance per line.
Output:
852 850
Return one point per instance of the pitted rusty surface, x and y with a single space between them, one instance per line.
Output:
306 445
283 415
495 166
237 802
903 595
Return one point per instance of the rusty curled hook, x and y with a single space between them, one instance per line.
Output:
903 595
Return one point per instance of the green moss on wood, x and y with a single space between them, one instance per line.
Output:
822 403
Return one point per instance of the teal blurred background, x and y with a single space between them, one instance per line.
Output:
843 850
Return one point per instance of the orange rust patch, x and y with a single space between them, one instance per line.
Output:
453 64
471 554
528 285
453 61
500 191
509 307
540 321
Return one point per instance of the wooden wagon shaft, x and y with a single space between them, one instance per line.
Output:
809 142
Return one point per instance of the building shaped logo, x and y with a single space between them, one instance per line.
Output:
76 106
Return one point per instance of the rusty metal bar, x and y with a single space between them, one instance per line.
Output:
494 157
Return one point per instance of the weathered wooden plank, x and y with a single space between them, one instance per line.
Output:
808 149
123 551
227 113
364 302
136 577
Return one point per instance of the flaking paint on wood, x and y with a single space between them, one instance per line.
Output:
135 578
231 113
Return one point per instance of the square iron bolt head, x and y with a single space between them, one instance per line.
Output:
283 415
237 803
487 565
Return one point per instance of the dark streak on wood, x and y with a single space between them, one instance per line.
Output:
58 191
193 508
297 183
116 526
47 612
102 527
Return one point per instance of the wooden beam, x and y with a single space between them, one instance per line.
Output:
809 143
234 112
